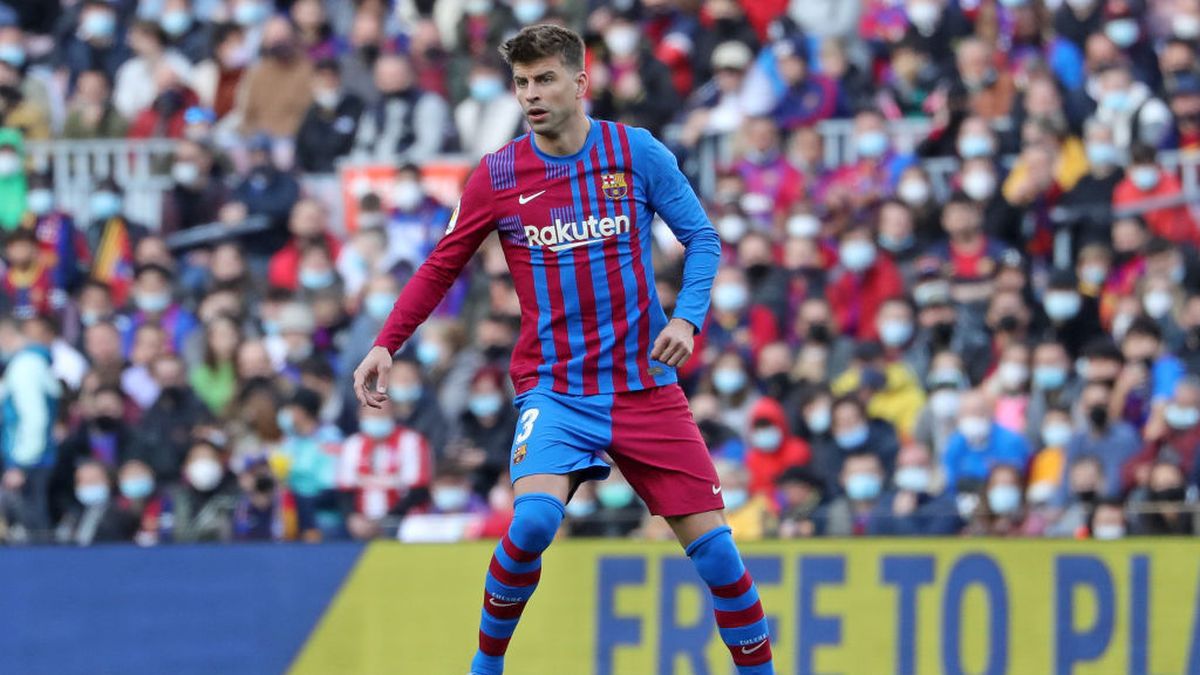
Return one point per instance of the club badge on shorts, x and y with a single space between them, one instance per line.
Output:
519 454
614 185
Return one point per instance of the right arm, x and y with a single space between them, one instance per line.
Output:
471 222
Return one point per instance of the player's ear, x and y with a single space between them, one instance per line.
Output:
581 84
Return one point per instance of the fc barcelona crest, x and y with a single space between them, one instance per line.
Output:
614 185
519 455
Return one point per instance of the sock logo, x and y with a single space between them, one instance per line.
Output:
502 604
754 648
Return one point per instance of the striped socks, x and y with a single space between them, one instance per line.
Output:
513 576
739 612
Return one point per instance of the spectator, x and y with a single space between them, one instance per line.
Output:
385 468
1130 109
94 43
200 509
358 61
148 41
862 281
453 511
140 497
327 131
308 452
90 112
861 479
264 512
945 383
771 448
218 79
853 433
718 106
31 396
166 115
1108 521
799 500
416 220
153 303
198 192
168 423
406 124
214 379
808 97
12 179
104 436
483 439
97 519
1180 441
1161 508
877 373
607 509
277 89
750 513
772 186
979 444
62 248
991 91
28 286
723 21
112 238
1147 185
914 508
1002 511
268 192
490 116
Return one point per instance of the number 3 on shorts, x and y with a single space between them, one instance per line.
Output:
527 419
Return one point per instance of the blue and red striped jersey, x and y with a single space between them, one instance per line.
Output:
576 233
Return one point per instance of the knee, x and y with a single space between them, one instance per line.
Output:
536 518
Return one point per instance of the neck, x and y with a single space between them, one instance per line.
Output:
568 140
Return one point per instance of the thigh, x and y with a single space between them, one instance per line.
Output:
657 446
558 435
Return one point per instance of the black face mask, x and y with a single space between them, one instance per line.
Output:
1098 415
1175 494
495 352
1008 324
369 53
264 484
778 386
106 423
943 333
173 395
1087 496
757 272
1121 258
820 332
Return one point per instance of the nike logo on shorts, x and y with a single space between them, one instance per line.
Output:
754 648
525 200
716 489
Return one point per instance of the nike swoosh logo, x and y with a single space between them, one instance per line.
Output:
502 604
716 489
525 200
574 244
756 648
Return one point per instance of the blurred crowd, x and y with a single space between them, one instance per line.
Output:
1009 350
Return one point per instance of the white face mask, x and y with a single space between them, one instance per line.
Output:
10 163
979 185
407 195
204 474
913 192
803 226
857 255
732 228
975 429
621 40
1157 303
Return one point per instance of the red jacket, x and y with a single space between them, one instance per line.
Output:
855 298
765 467
1173 223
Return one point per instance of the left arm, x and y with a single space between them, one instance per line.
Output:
671 196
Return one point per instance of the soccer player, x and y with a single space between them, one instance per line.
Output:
594 366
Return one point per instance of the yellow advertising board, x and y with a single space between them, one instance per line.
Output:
873 606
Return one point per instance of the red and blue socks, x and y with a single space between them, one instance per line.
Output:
513 576
739 613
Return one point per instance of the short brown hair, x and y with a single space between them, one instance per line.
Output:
537 42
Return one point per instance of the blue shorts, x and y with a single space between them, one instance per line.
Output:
649 434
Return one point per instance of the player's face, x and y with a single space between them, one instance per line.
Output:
549 92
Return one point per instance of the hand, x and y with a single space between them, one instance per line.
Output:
674 344
371 377
904 503
14 478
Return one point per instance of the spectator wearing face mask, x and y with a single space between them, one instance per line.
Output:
483 439
167 424
979 443
771 448
901 225
1148 378
264 191
200 509
149 44
938 419
1009 387
104 436
309 457
217 80
327 130
308 225
197 193
1053 384
1110 440
1073 318
112 239
140 497
1047 470
1084 484
96 518
1086 201
277 90
90 112
1181 439
873 175
490 116
1128 106
415 221
729 381
916 506
264 512
384 468
860 283
1001 512
853 432
154 302
1108 521
749 512
861 482
95 42
1145 184
1162 507
414 404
